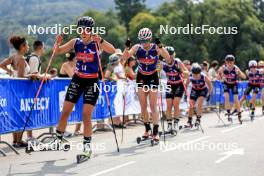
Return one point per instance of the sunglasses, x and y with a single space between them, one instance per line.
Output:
253 67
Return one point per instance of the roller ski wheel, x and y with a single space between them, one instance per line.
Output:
66 147
83 157
142 139
189 125
173 132
28 150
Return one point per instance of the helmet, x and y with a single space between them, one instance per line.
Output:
230 57
261 63
113 59
196 68
170 50
144 34
252 63
85 21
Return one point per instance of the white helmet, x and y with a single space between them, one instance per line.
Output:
252 63
144 34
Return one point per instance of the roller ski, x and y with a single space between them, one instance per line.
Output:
146 136
56 145
171 130
188 125
86 155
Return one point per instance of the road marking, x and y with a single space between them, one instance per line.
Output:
231 129
228 154
113 168
179 145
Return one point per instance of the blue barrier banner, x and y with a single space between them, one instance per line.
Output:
17 97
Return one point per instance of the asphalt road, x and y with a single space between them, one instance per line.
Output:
234 149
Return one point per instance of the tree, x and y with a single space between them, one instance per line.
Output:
127 9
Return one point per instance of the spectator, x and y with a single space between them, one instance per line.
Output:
187 64
212 71
68 67
205 67
131 63
34 62
67 71
20 69
115 71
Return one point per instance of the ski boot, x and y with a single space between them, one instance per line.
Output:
155 139
239 117
87 152
252 114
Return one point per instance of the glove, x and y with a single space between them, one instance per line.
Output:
128 43
158 43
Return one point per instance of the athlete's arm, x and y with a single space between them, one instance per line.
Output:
164 53
129 52
241 74
209 84
184 69
64 48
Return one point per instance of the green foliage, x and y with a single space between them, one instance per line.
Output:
246 15
127 9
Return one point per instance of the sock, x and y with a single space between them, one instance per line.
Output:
155 130
147 127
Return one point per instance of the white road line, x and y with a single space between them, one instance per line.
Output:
231 129
113 168
228 154
186 143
